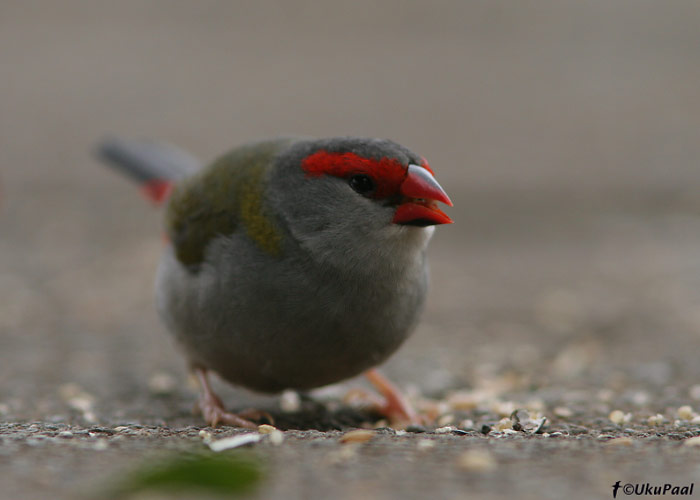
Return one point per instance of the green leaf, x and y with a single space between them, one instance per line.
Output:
221 473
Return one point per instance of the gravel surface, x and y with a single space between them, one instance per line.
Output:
567 289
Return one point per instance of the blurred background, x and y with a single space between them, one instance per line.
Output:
566 133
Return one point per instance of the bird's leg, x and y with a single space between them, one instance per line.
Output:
394 407
213 409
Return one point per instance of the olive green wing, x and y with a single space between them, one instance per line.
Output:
225 197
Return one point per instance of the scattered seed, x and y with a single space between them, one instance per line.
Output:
503 424
357 436
445 430
539 425
234 442
686 413
266 429
656 420
290 402
618 417
485 429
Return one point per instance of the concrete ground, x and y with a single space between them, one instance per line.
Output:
566 134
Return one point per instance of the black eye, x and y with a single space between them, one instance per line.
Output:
362 184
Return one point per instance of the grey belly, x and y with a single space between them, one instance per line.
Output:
273 349
270 336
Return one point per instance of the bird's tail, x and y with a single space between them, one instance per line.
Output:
156 167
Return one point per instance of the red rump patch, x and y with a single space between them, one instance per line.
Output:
388 173
157 190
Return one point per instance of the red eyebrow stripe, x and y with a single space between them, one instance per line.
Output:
424 164
386 172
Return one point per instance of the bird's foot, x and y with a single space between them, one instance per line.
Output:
214 413
255 414
393 405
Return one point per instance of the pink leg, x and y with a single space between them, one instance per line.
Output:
395 406
213 409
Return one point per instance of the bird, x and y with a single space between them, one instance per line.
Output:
289 263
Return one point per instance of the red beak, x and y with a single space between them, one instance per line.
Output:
422 192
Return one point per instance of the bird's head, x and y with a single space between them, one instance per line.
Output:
346 192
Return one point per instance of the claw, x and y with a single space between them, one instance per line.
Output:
255 414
